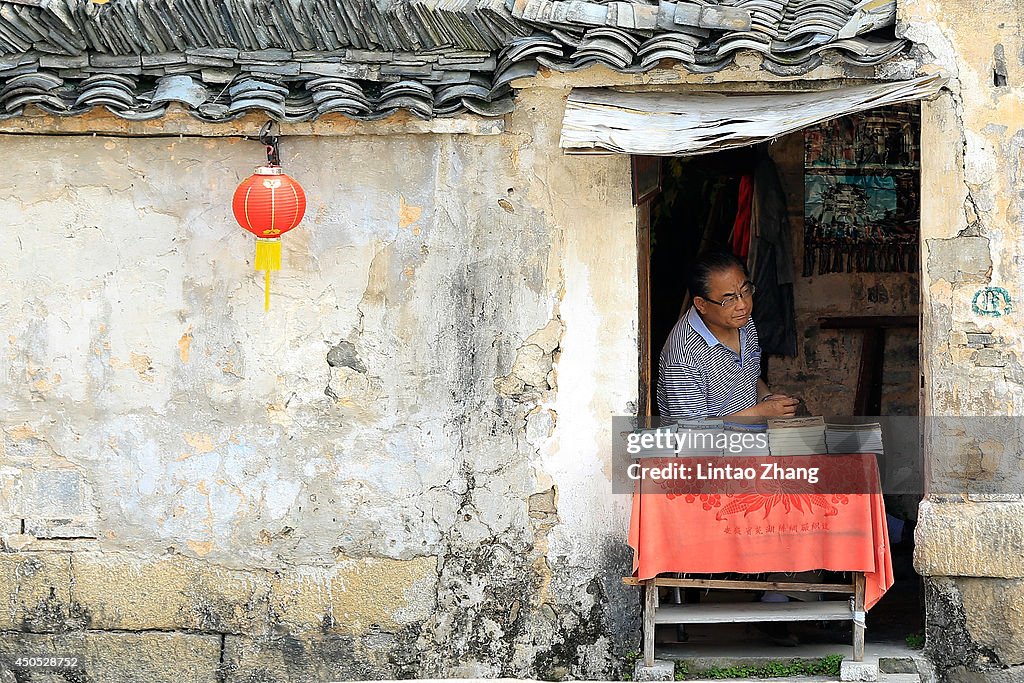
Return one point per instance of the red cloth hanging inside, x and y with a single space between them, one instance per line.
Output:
741 226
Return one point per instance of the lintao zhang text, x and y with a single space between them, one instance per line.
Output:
706 471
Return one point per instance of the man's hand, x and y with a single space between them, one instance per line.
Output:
777 405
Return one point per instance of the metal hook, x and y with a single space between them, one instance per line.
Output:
271 143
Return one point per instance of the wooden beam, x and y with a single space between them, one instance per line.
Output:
744 585
746 612
867 322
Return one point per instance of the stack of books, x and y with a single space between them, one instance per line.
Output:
854 438
797 436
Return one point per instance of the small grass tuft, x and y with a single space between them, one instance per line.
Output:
826 666
915 641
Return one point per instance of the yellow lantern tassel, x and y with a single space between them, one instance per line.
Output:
268 258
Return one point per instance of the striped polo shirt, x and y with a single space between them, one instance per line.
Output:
699 376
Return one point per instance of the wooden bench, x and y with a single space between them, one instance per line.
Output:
715 613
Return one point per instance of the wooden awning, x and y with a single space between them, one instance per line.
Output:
676 124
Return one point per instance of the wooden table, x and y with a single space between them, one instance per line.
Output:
720 613
762 529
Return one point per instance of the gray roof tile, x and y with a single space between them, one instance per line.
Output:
297 59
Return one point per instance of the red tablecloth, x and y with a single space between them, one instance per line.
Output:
765 530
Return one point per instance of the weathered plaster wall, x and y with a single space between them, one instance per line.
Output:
971 287
402 470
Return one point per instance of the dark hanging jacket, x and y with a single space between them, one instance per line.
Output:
771 262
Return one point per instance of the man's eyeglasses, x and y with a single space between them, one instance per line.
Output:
733 299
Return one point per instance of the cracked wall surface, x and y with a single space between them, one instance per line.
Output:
971 285
402 470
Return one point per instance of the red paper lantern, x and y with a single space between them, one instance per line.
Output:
268 204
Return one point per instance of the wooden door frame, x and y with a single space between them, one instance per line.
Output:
643 253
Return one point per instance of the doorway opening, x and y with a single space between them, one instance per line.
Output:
840 330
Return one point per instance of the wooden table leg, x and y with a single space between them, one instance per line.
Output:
650 607
858 617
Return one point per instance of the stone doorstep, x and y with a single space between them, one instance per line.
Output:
661 670
791 679
664 670
883 678
899 666
858 671
883 660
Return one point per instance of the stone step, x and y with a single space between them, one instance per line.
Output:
883 678
788 679
897 665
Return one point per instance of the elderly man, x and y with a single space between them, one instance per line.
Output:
711 363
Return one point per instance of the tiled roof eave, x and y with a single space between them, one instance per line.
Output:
362 59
